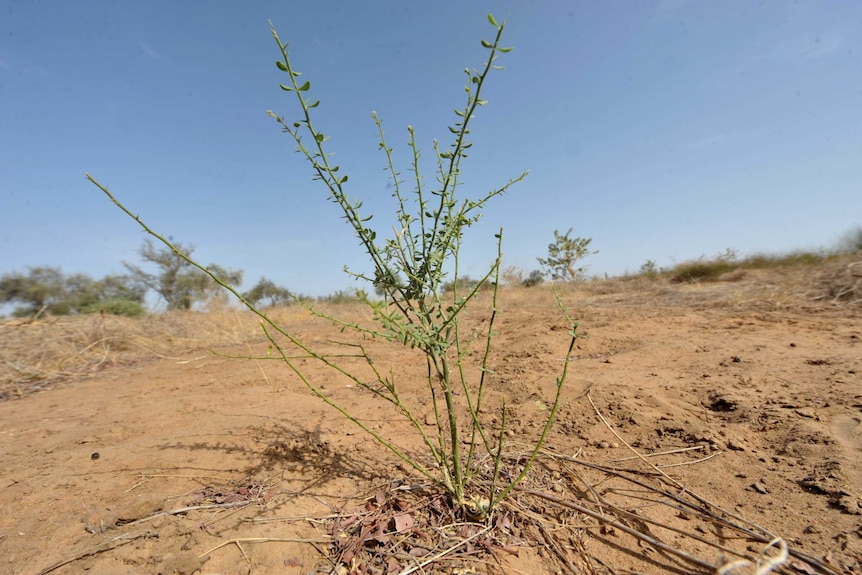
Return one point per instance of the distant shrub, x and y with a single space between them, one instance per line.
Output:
464 284
649 269
701 270
344 296
851 241
720 266
124 307
535 278
766 261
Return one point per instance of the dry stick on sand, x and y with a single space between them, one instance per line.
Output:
238 542
181 510
106 546
423 564
703 511
764 536
676 483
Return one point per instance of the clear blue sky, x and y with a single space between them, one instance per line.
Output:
663 130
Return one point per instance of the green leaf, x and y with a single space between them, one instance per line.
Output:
319 137
504 50
487 44
305 86
285 88
481 102
344 180
281 65
492 21
314 105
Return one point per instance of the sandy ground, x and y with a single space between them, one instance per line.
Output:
99 472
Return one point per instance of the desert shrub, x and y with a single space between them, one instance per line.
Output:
535 278
850 242
767 261
701 270
409 270
463 283
649 269
124 307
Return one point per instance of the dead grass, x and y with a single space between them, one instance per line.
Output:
38 354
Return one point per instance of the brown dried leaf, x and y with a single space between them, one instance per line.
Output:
403 521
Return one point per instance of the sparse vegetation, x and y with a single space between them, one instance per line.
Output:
649 269
534 279
564 255
719 267
851 241
177 282
410 269
47 290
266 293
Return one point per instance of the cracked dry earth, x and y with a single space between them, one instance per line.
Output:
156 466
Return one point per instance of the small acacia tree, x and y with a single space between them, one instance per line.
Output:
266 293
179 283
564 255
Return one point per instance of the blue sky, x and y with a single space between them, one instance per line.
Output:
663 130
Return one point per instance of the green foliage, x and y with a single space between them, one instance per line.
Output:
179 283
47 289
265 294
409 270
125 307
564 255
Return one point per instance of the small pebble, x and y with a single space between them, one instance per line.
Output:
603 445
95 456
759 487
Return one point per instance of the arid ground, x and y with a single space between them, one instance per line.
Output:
129 447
